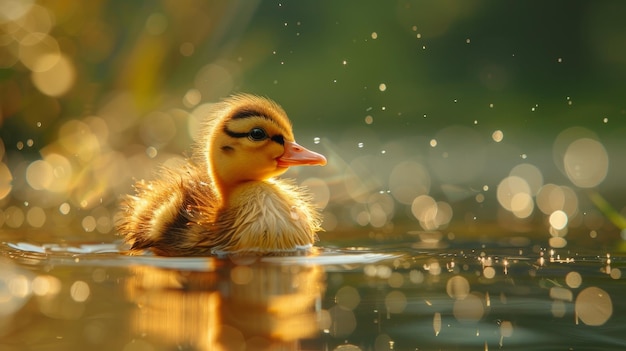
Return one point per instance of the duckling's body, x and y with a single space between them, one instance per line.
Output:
226 198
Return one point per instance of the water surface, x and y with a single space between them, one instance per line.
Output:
392 297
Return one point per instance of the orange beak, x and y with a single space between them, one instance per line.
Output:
296 155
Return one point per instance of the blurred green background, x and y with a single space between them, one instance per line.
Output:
476 118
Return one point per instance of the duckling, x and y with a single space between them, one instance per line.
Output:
226 198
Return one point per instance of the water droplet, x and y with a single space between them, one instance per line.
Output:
605 120
316 140
382 87
360 145
497 136
374 35
468 40
64 208
152 152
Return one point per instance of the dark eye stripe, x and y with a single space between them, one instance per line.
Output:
276 138
279 139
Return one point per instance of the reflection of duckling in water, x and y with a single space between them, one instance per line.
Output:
226 199
248 305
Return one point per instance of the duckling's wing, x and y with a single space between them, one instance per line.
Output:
162 211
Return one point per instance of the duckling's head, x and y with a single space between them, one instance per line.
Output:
250 138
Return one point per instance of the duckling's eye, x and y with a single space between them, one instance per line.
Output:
257 134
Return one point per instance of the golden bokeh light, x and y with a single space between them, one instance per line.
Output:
14 217
395 301
408 180
593 306
489 272
347 297
80 291
458 287
46 285
39 174
36 217
558 219
62 174
6 180
57 79
559 293
573 280
39 52
15 288
514 194
586 163
13 10
522 205
77 139
497 136
531 174
468 310
557 242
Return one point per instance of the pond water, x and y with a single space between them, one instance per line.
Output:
393 297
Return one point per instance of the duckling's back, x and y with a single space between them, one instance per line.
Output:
163 212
